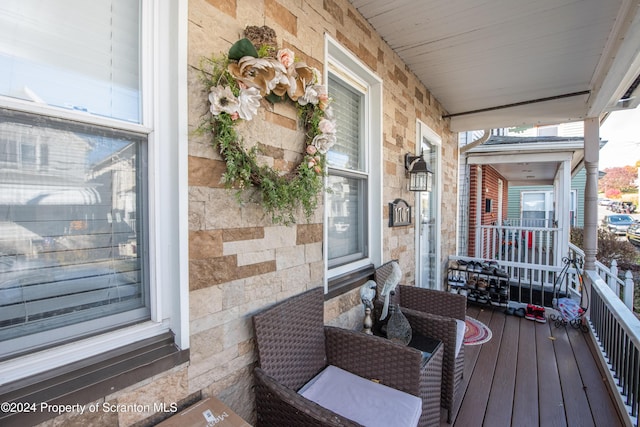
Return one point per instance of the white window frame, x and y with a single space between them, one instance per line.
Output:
164 120
342 63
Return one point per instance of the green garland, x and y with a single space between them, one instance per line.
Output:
237 84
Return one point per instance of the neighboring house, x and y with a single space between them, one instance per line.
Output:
529 171
535 203
140 299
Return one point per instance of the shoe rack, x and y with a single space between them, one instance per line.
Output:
483 283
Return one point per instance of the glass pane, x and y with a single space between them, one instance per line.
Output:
533 202
428 238
348 151
71 234
91 63
346 219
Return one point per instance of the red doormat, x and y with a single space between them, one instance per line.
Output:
475 332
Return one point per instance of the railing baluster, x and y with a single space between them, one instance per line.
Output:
617 331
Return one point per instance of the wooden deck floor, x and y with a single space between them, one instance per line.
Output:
531 374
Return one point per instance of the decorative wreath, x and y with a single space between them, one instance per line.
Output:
252 72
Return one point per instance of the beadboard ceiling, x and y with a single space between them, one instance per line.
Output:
501 63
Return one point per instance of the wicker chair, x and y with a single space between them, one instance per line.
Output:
431 313
294 345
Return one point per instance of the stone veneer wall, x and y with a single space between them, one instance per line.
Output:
240 262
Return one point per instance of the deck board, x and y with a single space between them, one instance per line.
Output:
525 400
576 404
600 401
531 374
500 404
474 405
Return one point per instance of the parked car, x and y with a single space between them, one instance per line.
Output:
605 202
617 224
633 233
614 206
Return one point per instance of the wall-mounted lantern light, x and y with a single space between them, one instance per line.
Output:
420 176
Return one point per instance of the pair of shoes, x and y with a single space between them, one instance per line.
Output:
474 266
529 313
536 313
461 265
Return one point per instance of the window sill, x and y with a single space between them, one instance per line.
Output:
345 282
91 379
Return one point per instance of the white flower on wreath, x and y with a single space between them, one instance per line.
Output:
327 126
249 102
312 95
222 100
286 57
324 142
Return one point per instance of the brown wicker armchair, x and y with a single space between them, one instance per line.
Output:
431 313
294 345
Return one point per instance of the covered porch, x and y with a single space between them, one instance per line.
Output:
519 69
532 374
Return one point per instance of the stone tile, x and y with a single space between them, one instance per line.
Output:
206 172
308 233
205 244
226 6
280 14
334 10
247 258
289 257
246 233
206 343
144 401
233 294
264 286
313 252
236 391
204 302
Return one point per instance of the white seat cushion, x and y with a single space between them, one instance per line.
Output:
461 327
362 400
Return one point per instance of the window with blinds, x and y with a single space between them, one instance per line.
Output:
73 251
89 64
347 210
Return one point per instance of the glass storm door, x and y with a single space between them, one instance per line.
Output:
428 214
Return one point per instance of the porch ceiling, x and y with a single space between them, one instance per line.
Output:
502 63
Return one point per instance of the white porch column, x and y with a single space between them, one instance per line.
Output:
562 194
591 155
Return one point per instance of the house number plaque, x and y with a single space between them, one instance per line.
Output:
399 213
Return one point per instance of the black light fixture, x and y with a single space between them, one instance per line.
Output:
420 176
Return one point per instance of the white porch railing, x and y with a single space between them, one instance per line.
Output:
526 251
527 254
624 289
616 332
531 245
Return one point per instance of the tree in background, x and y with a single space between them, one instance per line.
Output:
622 179
612 193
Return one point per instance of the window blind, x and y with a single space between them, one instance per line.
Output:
90 63
347 105
347 200
71 228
